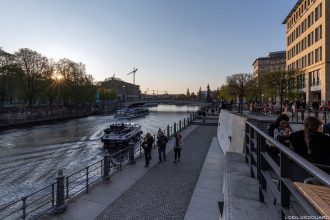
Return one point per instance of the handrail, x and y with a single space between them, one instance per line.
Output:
284 167
308 166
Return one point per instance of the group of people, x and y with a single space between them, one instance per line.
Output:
162 140
310 143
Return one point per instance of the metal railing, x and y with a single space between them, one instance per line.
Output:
299 115
276 174
38 203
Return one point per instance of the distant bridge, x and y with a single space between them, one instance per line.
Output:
166 101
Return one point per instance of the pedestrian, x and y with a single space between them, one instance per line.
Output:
178 144
204 116
147 146
161 142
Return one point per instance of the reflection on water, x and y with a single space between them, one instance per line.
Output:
29 157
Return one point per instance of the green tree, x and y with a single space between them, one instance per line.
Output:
33 66
240 84
281 84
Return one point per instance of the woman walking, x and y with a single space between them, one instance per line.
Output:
147 146
178 143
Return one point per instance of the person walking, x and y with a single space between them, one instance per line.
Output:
147 146
178 144
161 142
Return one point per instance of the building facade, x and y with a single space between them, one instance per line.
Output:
307 47
124 90
275 61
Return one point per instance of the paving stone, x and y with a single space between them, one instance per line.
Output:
165 191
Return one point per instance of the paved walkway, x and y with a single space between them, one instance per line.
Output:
89 205
207 193
165 191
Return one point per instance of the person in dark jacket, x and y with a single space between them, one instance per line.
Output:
178 144
311 143
281 125
147 146
161 142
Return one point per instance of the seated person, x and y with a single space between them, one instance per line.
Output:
311 143
282 128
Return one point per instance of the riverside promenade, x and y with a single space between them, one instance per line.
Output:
165 190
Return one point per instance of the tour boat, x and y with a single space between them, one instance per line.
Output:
133 111
120 135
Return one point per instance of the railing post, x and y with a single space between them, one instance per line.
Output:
302 115
180 126
247 142
190 117
106 167
53 195
131 153
168 131
285 174
184 122
120 159
87 179
292 114
24 207
60 206
325 115
174 127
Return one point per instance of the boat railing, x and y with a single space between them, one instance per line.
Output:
54 196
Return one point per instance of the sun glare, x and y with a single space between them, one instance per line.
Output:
57 77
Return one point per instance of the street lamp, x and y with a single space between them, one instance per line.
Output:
124 93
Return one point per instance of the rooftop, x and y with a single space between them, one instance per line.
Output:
292 11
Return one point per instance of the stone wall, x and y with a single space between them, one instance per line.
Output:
29 115
231 132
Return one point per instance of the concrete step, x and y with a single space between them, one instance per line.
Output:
241 201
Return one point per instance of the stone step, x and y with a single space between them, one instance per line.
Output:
241 201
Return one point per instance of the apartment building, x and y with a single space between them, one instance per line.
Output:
307 47
275 61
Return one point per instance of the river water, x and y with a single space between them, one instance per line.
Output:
30 156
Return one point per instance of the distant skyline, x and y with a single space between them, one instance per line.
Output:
175 44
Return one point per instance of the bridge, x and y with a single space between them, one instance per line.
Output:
165 101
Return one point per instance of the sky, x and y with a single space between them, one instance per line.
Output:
175 44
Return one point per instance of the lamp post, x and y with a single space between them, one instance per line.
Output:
124 98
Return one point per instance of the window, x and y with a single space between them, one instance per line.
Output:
318 12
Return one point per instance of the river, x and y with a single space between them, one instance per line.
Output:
30 156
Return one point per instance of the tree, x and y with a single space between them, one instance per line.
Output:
240 84
280 84
8 76
33 66
78 85
193 96
225 94
199 94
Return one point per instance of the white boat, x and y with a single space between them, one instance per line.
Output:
119 135
133 111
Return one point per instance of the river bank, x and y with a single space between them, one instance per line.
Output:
30 116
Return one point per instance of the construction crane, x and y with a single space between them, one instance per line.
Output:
134 71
